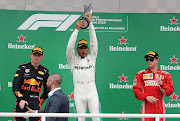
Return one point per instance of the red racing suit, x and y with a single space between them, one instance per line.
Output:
144 85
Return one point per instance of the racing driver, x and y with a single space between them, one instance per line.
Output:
150 86
28 82
83 70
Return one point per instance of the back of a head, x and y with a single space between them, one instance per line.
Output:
57 78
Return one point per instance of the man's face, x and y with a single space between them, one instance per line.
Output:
36 58
152 62
48 83
82 51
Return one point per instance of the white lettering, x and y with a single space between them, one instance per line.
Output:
163 67
118 86
168 28
62 21
16 46
117 48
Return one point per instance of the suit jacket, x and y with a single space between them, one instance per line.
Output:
57 103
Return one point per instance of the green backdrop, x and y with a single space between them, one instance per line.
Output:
123 40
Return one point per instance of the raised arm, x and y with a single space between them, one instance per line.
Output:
70 52
93 39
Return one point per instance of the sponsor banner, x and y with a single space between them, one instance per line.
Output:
173 64
71 105
123 46
71 100
173 25
122 83
63 66
20 44
173 102
120 86
123 118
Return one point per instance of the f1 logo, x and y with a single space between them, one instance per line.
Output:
62 21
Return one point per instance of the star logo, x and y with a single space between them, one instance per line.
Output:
123 78
123 117
173 21
21 38
174 97
123 41
173 60
71 96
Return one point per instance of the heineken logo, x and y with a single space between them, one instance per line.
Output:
122 46
173 102
21 38
173 64
173 25
123 118
63 66
174 59
71 100
172 105
122 41
71 96
174 97
21 45
121 83
123 78
173 21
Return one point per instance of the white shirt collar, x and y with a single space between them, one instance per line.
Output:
51 92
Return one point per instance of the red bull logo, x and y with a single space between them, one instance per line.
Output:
31 82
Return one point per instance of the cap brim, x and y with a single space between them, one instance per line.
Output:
149 56
37 52
83 45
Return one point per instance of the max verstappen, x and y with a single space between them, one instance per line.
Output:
83 70
28 82
150 86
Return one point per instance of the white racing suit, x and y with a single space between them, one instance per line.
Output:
83 71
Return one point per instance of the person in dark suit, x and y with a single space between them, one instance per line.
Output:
58 101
